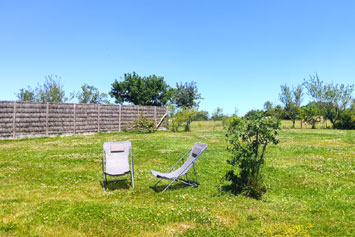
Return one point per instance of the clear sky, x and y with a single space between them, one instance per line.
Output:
238 52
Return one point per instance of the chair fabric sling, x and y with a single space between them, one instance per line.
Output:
177 174
115 161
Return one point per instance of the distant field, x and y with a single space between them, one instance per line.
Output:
52 186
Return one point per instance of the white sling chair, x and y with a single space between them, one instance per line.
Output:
176 175
115 161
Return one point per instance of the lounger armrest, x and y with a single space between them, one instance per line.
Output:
182 158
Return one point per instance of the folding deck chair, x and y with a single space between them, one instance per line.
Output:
176 175
115 161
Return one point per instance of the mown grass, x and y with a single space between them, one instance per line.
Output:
52 186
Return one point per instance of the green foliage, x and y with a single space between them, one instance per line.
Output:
201 116
151 90
90 95
347 120
269 108
291 98
181 116
253 113
310 113
26 94
332 99
142 125
51 90
248 138
217 115
186 95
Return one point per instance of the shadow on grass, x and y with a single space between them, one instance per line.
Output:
175 186
247 191
110 186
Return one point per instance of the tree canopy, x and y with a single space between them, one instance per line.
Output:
291 98
50 91
26 94
186 95
90 95
151 90
332 99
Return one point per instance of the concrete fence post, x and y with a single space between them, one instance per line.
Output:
14 121
47 111
74 107
98 117
119 118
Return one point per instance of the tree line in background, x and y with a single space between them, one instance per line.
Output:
329 102
133 89
183 100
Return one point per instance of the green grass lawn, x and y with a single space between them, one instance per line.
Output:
52 186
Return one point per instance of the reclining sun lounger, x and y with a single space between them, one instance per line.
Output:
115 161
176 175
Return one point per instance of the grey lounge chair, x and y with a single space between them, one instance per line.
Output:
115 161
176 175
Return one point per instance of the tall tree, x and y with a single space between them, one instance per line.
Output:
292 99
90 95
26 94
269 108
217 115
333 99
186 95
52 90
151 90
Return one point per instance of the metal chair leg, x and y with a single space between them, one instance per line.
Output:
132 176
157 183
104 182
168 186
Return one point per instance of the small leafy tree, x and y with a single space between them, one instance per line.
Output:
90 95
26 94
248 138
291 98
217 115
310 113
52 90
180 116
183 116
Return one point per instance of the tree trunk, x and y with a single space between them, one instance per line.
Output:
293 123
332 121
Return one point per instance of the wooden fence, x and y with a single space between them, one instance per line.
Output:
20 119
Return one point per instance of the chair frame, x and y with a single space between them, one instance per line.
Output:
186 181
106 181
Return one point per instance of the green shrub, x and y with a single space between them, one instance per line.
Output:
142 125
248 138
346 121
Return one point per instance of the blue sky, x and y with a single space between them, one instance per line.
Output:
238 52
